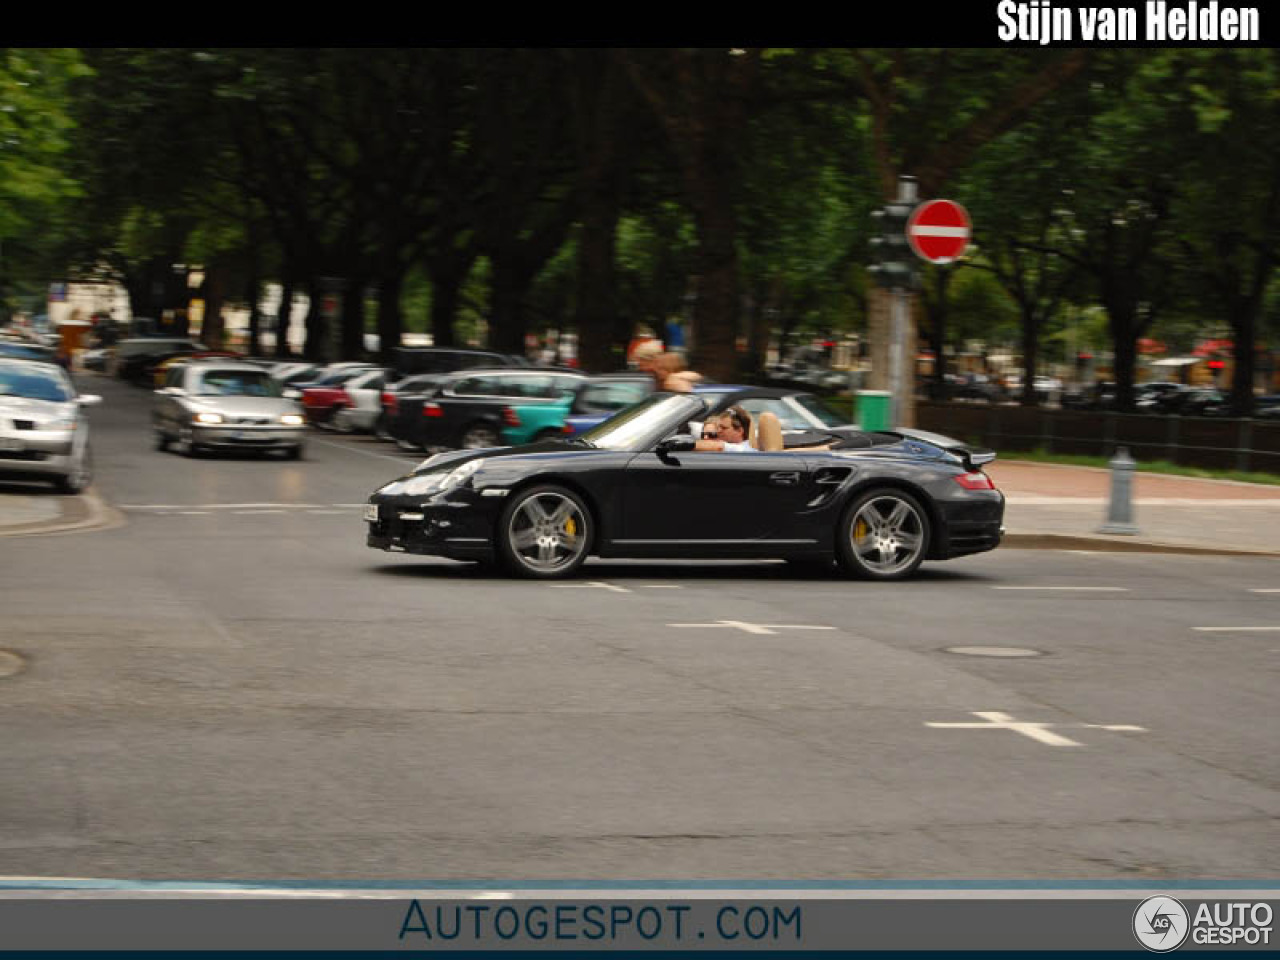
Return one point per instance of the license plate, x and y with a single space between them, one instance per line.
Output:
10 443
371 512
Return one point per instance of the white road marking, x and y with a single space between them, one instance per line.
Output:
758 628
167 509
194 513
1087 589
1237 629
594 584
329 513
1034 500
255 513
1265 590
367 453
994 720
1122 727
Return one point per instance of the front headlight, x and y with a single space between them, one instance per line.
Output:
67 424
438 481
208 418
292 419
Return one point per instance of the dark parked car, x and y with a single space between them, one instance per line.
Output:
134 360
467 408
414 360
633 487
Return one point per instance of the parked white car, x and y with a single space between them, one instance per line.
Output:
365 405
44 433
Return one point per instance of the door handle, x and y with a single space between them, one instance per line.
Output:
786 478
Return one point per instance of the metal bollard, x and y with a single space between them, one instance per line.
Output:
1120 510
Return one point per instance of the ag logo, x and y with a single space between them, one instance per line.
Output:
1161 924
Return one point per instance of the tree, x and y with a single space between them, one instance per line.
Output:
703 100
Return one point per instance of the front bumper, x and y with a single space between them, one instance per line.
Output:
47 453
460 527
228 436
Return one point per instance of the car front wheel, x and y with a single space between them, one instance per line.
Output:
78 479
544 533
884 535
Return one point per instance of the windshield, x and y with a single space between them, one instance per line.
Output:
33 383
237 383
636 426
825 414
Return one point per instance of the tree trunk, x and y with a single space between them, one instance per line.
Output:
1124 338
284 314
1030 356
212 332
716 310
390 319
252 294
508 322
447 275
353 319
316 347
597 282
1244 331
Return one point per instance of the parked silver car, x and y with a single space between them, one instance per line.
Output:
219 404
44 433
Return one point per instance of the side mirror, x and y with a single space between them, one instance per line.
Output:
89 400
676 444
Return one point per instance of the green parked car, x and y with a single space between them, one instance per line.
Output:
535 420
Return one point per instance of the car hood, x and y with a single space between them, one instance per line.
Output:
27 408
243 406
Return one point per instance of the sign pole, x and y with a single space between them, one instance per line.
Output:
899 380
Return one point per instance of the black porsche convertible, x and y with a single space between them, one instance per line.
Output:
878 503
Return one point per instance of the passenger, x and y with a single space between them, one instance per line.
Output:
732 429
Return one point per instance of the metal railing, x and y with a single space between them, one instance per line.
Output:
1213 443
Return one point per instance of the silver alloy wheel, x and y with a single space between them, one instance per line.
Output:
479 436
78 479
547 532
887 535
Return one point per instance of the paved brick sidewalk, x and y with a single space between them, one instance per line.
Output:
1048 502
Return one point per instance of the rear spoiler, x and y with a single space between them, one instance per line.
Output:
974 458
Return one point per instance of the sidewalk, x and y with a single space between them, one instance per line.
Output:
1062 506
1049 507
31 514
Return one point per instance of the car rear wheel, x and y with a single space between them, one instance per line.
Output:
544 533
381 429
479 435
162 441
884 535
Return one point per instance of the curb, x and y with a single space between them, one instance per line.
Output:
1105 544
93 514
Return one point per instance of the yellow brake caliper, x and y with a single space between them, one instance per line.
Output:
570 528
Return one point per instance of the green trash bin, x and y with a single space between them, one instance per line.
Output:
873 409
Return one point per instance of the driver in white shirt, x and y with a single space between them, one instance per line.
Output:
731 430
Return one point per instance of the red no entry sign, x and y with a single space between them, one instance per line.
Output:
939 230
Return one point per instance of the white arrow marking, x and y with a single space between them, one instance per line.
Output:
598 584
1097 589
994 720
1237 629
758 628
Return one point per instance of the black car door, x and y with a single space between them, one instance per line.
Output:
705 497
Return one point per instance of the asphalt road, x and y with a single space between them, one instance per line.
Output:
231 686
